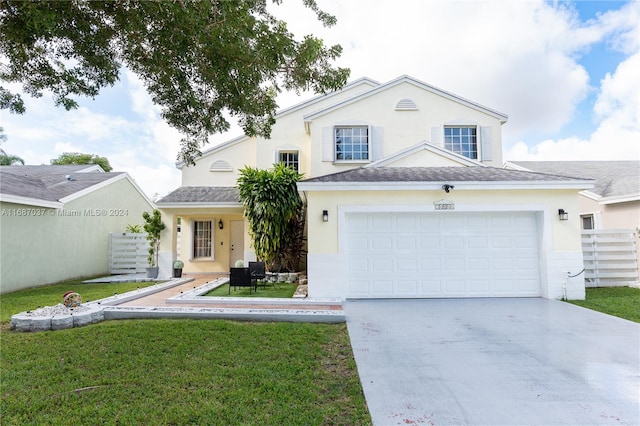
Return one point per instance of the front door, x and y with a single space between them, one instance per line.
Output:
237 242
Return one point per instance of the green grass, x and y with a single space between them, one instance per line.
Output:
176 372
182 372
50 295
623 302
284 290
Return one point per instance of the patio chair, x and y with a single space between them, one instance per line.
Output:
241 277
258 273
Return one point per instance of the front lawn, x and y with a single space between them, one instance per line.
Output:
623 302
182 372
175 371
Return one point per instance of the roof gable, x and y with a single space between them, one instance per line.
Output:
442 156
405 79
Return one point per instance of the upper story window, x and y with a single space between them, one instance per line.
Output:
462 140
352 143
289 159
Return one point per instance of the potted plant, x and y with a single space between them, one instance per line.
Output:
153 226
177 268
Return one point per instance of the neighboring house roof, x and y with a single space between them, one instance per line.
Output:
201 196
615 181
434 177
52 186
408 79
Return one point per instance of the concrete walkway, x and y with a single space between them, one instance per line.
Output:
495 362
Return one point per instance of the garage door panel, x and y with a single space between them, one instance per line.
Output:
453 242
455 287
430 242
382 288
406 242
407 288
382 265
479 287
407 265
382 243
444 254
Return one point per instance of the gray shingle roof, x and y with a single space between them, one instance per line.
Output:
202 194
438 174
48 183
613 178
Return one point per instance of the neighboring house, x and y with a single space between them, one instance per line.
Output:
55 221
614 201
406 197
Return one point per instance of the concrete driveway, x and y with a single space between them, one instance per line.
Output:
495 362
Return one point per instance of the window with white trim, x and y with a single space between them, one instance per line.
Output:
351 143
462 140
202 239
289 159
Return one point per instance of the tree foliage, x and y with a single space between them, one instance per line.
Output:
275 213
198 59
8 159
80 158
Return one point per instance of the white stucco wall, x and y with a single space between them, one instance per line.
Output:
41 246
560 245
401 129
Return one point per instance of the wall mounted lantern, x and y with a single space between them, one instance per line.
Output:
447 187
325 215
220 224
563 215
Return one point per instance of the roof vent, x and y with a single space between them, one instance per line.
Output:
220 166
406 104
68 177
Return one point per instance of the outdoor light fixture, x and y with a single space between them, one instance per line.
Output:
563 215
325 215
447 187
220 224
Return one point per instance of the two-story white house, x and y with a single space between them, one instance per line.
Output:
406 197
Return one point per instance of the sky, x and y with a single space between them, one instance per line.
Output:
566 73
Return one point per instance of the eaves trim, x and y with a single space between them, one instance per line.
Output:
16 199
198 205
434 186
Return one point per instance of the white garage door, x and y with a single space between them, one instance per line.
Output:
444 254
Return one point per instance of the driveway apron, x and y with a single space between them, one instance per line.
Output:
494 362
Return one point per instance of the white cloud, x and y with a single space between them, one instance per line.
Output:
617 136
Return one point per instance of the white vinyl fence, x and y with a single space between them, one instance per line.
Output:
610 257
128 253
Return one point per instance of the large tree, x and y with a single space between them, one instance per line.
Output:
197 58
80 158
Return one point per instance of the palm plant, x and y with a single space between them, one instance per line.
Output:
275 213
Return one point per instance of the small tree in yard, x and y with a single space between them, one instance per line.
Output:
153 226
275 213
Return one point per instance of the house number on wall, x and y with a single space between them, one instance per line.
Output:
444 205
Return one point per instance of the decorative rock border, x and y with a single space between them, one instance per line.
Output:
60 317
84 315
